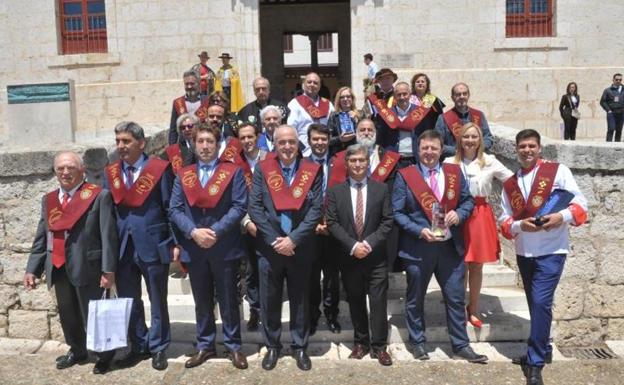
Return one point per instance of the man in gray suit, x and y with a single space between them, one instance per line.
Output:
76 246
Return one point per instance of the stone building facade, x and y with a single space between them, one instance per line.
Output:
516 81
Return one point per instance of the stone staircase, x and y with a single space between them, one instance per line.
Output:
503 306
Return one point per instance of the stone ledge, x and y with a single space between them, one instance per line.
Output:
530 44
84 60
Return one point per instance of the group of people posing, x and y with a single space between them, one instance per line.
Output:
302 191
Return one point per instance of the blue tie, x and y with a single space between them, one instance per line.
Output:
129 176
286 216
204 178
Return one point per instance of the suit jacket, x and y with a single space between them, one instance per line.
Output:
148 225
389 138
91 246
246 219
411 219
267 219
224 219
566 106
377 221
254 108
188 154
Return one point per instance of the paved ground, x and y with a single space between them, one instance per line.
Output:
19 367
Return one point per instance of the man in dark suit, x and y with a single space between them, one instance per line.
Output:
76 246
251 112
425 249
207 205
285 205
327 289
359 216
141 189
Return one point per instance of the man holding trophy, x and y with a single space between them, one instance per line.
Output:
430 202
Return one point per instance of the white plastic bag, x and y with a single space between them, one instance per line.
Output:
107 322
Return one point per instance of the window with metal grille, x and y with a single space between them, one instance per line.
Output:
529 18
288 43
325 42
83 26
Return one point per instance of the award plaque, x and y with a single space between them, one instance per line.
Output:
438 227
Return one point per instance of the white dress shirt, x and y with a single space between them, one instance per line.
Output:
405 137
138 167
480 179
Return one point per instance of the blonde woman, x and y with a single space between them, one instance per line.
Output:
342 121
480 234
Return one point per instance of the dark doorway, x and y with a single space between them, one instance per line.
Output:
297 37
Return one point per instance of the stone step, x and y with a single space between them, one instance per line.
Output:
493 300
494 275
512 326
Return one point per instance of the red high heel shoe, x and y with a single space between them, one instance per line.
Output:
477 323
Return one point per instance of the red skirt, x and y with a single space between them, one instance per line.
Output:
480 234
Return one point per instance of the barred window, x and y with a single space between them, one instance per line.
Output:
83 26
529 18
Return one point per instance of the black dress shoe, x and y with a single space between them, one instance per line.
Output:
159 360
469 355
522 360
303 361
270 359
70 359
534 375
419 352
102 366
333 325
131 359
254 320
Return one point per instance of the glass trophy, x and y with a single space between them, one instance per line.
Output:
346 124
438 227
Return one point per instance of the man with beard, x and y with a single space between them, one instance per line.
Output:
270 117
450 123
207 203
191 102
251 112
308 108
285 205
382 167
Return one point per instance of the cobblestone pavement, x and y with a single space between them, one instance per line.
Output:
18 367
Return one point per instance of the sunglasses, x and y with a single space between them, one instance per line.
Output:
346 97
187 126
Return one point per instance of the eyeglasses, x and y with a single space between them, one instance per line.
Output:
346 97
187 126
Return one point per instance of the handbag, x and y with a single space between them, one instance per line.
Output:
107 322
574 112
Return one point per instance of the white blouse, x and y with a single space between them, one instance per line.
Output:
480 179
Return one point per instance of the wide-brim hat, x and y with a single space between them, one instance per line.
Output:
204 54
385 72
226 55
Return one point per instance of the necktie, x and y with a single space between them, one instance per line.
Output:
129 176
286 216
359 212
204 177
58 240
433 183
321 162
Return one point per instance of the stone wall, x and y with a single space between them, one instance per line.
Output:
589 303
24 178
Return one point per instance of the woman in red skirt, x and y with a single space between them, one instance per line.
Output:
480 234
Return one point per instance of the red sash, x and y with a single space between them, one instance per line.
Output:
389 117
413 119
203 82
315 112
175 157
454 123
233 153
141 189
423 194
206 197
64 220
286 197
180 106
386 165
337 169
540 191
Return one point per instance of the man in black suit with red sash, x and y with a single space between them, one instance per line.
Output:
192 102
76 245
418 189
450 123
285 205
541 245
141 189
207 205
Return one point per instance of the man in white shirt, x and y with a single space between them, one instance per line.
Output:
541 241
